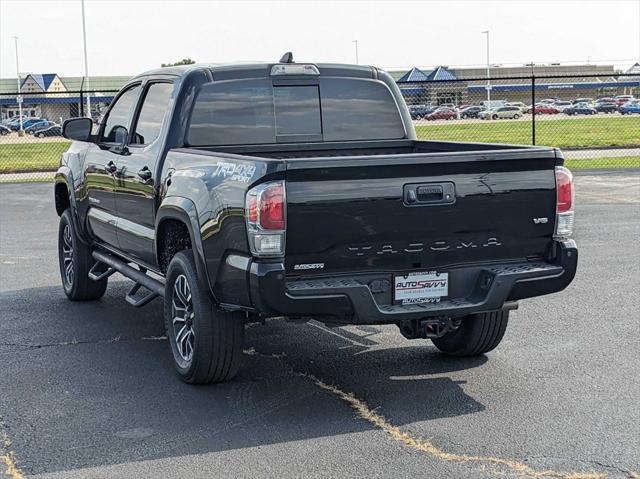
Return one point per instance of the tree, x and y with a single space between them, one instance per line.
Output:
184 61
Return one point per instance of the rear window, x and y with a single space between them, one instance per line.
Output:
245 112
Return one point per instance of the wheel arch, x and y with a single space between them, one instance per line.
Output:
176 210
63 190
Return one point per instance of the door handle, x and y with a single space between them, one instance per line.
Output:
111 167
429 194
145 173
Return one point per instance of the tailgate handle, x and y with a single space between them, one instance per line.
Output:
429 194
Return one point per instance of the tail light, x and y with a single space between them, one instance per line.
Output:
265 211
565 198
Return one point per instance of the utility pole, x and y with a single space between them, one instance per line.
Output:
86 66
356 44
19 97
486 32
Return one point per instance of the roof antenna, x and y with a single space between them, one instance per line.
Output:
287 58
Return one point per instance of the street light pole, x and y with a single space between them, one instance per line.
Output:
486 32
86 66
356 44
19 98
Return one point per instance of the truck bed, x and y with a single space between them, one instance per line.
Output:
347 205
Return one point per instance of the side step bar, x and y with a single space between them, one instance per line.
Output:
107 265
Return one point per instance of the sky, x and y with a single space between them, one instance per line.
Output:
128 37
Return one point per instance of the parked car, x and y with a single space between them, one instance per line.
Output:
4 130
548 101
237 224
442 113
630 107
518 104
546 109
452 106
503 112
51 131
580 109
622 99
40 125
420 111
26 123
588 101
562 104
605 107
471 111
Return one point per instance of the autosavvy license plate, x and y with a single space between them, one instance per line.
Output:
421 287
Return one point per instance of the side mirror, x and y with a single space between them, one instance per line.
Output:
78 129
122 140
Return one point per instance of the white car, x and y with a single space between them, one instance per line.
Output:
561 105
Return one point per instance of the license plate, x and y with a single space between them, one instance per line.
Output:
421 287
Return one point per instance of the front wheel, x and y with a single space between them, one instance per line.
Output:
206 343
495 117
515 117
75 263
477 334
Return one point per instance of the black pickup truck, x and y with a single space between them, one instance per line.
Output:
242 192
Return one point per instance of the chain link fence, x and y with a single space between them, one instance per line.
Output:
594 119
31 139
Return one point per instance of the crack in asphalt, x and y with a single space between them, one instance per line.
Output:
363 410
370 415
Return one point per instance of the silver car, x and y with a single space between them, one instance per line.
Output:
511 112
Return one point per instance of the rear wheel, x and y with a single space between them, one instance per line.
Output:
477 334
75 262
206 343
516 116
495 117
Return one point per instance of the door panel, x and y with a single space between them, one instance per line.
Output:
135 200
101 215
101 163
136 178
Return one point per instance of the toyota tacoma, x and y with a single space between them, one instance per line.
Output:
241 192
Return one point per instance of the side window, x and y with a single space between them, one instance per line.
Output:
152 113
120 115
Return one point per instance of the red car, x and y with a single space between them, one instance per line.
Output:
546 110
442 114
622 99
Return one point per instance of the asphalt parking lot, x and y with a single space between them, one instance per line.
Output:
87 390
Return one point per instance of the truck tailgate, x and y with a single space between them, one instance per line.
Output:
419 211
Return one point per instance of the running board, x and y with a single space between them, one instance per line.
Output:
107 265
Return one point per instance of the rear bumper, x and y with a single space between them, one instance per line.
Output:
350 299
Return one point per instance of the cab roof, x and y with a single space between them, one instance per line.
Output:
228 71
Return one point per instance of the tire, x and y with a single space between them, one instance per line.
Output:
477 334
495 117
465 116
516 116
40 135
206 343
75 260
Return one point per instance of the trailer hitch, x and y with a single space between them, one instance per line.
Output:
428 328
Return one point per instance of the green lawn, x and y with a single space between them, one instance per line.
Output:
565 133
592 163
37 156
